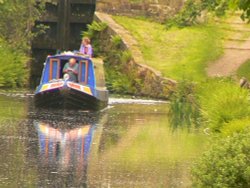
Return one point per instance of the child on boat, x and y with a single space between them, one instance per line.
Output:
86 47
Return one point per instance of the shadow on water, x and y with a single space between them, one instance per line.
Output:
128 145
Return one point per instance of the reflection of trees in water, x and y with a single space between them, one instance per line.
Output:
114 129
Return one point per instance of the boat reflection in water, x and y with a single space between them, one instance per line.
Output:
63 154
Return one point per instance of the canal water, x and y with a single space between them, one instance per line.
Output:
130 144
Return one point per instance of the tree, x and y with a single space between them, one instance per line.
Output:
17 18
192 9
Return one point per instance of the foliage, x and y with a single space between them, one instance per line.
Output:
219 104
116 41
235 126
12 66
119 79
93 32
94 28
222 101
118 82
17 20
184 109
176 53
244 6
187 16
115 59
244 70
193 9
226 164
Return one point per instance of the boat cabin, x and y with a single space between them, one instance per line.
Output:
53 69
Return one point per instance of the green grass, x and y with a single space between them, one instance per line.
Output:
223 103
177 53
244 70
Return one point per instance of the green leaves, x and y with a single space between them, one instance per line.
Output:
226 164
13 70
187 16
17 18
193 9
94 28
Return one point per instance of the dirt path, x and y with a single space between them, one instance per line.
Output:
236 51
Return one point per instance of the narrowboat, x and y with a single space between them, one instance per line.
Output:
57 91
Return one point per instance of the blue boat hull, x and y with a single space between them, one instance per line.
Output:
68 98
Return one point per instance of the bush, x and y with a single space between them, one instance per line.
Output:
17 20
226 164
12 66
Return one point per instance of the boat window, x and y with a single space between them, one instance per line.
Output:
54 69
63 62
83 72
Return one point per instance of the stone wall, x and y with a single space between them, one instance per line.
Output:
154 84
158 9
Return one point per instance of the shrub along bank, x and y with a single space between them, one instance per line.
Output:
13 66
226 164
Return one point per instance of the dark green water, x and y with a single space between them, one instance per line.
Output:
128 145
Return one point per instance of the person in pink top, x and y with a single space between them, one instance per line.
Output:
86 47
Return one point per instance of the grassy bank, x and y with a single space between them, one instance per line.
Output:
184 54
224 106
244 70
177 53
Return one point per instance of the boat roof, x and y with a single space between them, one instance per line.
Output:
69 54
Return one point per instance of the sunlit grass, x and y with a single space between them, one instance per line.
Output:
223 102
177 53
244 70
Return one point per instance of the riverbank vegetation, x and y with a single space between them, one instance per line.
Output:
17 19
244 70
217 105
